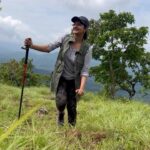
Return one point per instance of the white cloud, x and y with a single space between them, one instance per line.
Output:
12 29
91 6
15 31
86 7
51 18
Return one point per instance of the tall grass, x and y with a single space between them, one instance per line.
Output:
101 123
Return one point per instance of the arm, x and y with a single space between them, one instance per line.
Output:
80 91
84 73
44 48
41 48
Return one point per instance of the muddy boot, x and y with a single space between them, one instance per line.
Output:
72 117
72 122
61 118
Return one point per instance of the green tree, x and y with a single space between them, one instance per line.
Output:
0 5
118 45
12 72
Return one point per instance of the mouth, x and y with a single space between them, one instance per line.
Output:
75 29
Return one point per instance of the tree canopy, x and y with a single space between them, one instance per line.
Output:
119 47
12 72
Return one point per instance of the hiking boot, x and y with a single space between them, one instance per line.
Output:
61 118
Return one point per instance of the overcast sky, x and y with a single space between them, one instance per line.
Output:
46 20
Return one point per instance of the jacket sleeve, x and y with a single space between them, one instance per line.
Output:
87 59
53 45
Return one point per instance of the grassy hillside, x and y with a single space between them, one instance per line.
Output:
101 123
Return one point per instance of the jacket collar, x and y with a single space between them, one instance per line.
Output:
72 39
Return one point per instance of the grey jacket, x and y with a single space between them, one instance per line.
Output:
59 66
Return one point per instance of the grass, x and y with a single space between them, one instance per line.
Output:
101 123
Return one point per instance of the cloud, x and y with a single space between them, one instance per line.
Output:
12 29
15 31
89 7
51 19
101 5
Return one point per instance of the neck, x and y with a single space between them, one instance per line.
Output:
78 38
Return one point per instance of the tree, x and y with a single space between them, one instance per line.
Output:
119 48
12 72
0 5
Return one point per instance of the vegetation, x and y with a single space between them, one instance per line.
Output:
101 124
12 73
0 6
120 49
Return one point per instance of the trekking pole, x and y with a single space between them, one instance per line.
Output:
23 78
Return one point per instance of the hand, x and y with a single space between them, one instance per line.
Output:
80 92
28 42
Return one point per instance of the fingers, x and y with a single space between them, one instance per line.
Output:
28 42
80 92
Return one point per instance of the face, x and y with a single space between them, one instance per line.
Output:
78 28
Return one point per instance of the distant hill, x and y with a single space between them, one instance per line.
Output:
44 61
44 64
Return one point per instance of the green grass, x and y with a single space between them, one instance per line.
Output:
101 123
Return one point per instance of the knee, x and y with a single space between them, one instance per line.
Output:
61 101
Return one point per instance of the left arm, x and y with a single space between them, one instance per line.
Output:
80 91
84 73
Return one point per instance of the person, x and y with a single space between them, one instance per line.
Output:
71 69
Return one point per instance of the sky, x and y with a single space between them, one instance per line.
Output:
46 20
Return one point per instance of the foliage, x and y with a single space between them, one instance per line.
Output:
101 123
120 49
0 6
12 73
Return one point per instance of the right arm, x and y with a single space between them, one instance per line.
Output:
43 48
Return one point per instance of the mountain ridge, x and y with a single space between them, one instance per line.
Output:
44 64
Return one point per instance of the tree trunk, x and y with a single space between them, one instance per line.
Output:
112 85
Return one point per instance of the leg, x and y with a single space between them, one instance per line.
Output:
71 103
61 100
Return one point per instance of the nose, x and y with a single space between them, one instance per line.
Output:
75 25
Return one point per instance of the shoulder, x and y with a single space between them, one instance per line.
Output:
67 37
62 38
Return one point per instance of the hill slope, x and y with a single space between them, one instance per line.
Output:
101 124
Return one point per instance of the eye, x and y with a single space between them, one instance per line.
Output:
77 24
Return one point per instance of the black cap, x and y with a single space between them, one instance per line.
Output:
82 20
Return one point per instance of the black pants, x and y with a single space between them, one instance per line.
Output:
66 97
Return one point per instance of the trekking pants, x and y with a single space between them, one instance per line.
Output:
66 97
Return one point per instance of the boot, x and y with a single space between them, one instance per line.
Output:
61 118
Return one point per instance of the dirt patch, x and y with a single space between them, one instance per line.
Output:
97 136
42 112
73 133
88 140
